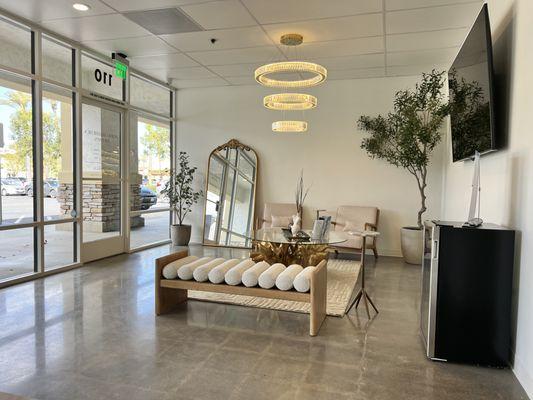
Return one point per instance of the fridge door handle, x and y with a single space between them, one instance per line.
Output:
435 249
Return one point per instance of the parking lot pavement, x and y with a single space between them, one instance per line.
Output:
19 209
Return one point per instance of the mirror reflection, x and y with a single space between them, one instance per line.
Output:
230 195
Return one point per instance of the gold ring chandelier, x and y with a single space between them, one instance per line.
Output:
262 74
290 101
289 126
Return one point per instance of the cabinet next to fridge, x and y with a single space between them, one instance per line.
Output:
467 276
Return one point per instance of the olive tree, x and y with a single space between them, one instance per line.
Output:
406 136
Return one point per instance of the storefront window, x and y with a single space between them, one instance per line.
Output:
15 45
99 77
150 172
149 96
58 168
16 150
57 61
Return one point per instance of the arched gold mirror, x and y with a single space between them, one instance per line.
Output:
230 195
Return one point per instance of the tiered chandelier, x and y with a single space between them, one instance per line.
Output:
290 101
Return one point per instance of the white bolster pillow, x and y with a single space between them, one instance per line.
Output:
302 282
216 275
185 271
234 275
267 279
170 271
285 280
200 273
251 275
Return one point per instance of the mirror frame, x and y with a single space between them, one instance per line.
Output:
231 144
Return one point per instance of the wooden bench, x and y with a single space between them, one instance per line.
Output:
169 293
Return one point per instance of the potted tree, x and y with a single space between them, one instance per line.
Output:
181 197
406 138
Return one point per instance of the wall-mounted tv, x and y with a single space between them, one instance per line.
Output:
470 81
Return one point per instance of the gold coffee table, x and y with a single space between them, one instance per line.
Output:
270 245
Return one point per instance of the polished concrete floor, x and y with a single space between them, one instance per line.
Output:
91 333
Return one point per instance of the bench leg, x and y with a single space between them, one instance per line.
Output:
319 283
168 299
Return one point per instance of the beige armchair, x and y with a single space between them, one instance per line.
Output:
355 218
284 210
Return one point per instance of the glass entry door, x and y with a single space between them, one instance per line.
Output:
102 181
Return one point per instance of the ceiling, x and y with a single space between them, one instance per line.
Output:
351 38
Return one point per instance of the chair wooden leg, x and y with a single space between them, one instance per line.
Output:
375 250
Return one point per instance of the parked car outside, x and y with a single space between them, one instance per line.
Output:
11 187
50 187
148 198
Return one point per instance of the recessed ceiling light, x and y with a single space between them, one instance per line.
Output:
80 7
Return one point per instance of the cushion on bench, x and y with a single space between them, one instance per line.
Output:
251 275
234 275
171 270
216 275
267 279
285 280
200 274
185 271
302 281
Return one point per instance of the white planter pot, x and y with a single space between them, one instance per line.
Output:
412 246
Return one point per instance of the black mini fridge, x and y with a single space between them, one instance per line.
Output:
467 278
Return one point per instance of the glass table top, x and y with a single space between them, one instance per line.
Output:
275 235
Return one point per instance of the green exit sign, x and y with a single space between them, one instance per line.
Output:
120 70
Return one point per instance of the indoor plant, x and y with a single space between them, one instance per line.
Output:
405 138
181 197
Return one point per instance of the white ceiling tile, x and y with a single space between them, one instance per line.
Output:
190 73
408 70
431 19
194 83
235 70
426 40
330 28
132 47
113 26
425 57
39 10
357 73
220 14
237 56
351 62
166 61
242 80
338 48
136 5
226 39
406 4
273 11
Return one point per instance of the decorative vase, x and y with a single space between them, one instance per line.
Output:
180 235
412 246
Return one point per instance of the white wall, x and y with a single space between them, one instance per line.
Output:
329 153
506 176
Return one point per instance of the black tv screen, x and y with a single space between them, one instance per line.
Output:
471 93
